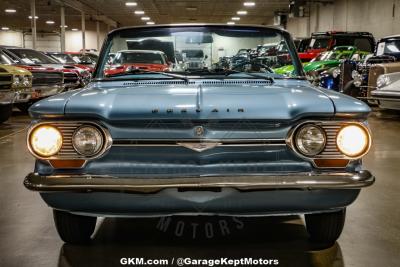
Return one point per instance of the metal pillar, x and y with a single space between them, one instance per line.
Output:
62 10
33 23
83 33
98 34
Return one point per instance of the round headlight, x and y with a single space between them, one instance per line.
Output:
310 140
26 80
45 141
382 81
336 73
355 74
352 140
17 80
87 140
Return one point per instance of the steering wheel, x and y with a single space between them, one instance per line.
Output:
253 63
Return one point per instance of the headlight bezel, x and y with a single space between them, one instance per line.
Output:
107 142
98 131
331 152
300 146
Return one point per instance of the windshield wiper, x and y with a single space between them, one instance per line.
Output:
143 71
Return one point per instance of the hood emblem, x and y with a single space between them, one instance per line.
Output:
199 147
199 130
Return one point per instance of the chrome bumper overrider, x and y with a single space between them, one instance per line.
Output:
99 183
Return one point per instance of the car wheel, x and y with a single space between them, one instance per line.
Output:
74 229
23 106
5 112
325 228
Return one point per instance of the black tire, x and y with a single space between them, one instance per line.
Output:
325 228
74 229
5 112
23 106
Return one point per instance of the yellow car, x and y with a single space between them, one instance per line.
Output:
15 86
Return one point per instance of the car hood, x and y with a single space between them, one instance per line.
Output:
14 70
252 99
320 64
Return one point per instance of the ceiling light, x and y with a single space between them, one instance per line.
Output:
230 23
235 18
242 12
191 8
145 18
5 28
65 26
30 17
150 23
49 22
131 4
74 29
10 10
139 12
249 4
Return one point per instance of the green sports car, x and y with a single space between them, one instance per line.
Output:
325 60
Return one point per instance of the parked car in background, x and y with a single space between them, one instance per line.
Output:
389 46
73 77
302 44
326 61
325 41
228 142
15 87
46 81
67 59
87 58
358 79
387 94
194 59
132 60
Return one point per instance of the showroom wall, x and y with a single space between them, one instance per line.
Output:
381 17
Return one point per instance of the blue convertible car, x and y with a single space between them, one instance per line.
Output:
240 141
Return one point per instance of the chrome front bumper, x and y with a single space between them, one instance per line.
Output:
41 91
7 97
97 183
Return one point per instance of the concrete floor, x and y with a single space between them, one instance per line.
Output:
371 235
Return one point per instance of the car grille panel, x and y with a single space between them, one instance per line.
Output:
47 78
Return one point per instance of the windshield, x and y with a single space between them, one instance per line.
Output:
29 56
195 52
319 43
4 59
140 57
63 58
389 47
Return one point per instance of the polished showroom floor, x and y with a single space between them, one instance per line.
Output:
371 236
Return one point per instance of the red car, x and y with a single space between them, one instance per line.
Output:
325 41
65 58
150 60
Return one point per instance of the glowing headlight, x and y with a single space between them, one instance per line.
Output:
45 141
87 141
383 80
353 140
310 140
336 73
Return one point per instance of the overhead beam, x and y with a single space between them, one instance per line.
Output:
77 5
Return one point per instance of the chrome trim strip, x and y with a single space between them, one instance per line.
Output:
178 142
89 183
